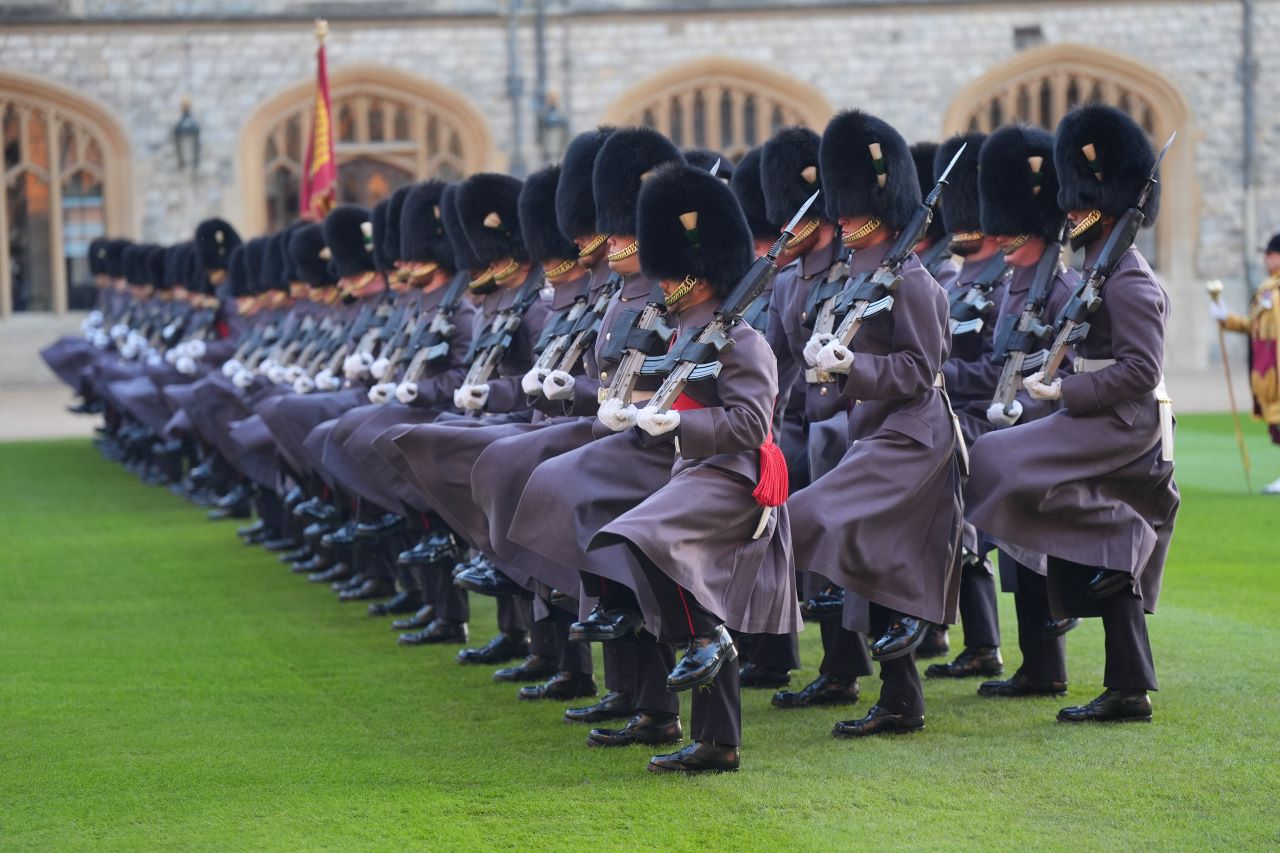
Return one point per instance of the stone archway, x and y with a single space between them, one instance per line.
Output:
720 103
394 126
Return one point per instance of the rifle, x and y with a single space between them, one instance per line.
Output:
490 348
430 341
969 304
557 335
1072 324
871 294
587 329
696 356
635 335
1018 333
936 255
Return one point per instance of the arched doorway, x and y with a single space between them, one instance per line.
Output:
66 180
1040 85
720 103
390 128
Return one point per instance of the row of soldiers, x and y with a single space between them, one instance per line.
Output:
671 404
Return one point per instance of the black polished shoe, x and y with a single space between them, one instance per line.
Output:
486 580
261 537
405 601
421 619
336 572
314 509
936 643
697 757
821 691
316 529
612 706
702 660
603 624
384 526
904 634
439 631
1058 627
878 721
1019 686
500 649
415 556
297 555
1113 706
647 729
1107 583
202 473
563 600
763 677
371 588
828 604
561 686
343 537
341 585
973 662
311 566
234 504
251 530
441 547
280 544
534 668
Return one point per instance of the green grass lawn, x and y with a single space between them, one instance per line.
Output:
163 686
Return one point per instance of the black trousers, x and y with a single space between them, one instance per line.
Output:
978 612
619 658
1044 658
844 652
1129 662
550 637
900 688
769 651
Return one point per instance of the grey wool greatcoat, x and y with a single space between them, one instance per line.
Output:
885 522
348 458
436 458
697 527
1087 483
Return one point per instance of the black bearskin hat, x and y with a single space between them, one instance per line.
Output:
1123 160
1273 245
1018 184
575 202
349 245
462 253
537 204
393 237
746 185
155 267
422 235
305 248
789 172
923 154
960 208
273 274
115 260
705 158
855 183
489 210
689 223
625 159
378 218
254 253
131 263
215 238
237 281
97 256
177 260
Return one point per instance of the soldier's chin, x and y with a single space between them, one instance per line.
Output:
1087 236
965 249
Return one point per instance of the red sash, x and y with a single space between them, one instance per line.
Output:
773 487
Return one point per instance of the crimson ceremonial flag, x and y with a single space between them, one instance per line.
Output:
320 169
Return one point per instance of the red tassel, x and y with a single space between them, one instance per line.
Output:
773 488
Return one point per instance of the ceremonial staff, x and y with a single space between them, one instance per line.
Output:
1215 293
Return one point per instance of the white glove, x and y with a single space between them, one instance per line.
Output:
154 359
1218 310
129 350
558 385
186 365
616 416
101 340
95 318
171 355
471 397
169 331
196 349
265 366
356 365
997 417
137 340
1036 388
531 382
657 423
231 367
242 379
293 373
814 346
304 384
378 370
326 381
119 330
406 392
834 358
277 374
381 393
